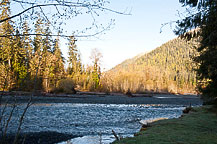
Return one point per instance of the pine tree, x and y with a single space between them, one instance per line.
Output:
27 45
75 67
203 21
38 38
19 67
6 44
58 70
47 58
35 63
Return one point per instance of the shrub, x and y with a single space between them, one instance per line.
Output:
66 85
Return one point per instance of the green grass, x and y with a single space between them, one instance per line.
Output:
197 127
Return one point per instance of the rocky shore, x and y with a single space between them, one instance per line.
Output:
46 137
102 98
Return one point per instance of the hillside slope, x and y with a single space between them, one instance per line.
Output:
168 68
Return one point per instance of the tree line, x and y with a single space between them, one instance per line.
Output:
36 62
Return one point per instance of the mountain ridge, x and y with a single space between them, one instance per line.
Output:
168 68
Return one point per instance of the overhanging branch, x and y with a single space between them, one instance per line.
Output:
54 35
93 6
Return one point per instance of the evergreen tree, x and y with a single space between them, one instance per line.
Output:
36 61
204 18
74 67
6 44
19 67
47 58
58 70
27 45
38 40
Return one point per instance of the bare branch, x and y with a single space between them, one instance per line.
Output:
21 120
24 2
54 35
94 6
8 120
45 16
164 24
58 11
26 11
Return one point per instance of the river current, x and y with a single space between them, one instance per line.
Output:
93 122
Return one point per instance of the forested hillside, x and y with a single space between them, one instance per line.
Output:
168 68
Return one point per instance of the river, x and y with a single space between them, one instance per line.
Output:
94 122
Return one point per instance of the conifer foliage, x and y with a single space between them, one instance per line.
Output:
203 18
21 55
8 61
26 59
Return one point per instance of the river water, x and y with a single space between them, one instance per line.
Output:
93 122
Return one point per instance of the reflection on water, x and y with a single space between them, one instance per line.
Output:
94 139
90 120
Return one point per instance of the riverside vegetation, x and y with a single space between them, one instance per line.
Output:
199 126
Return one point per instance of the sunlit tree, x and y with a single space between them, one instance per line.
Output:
74 57
6 44
58 69
96 57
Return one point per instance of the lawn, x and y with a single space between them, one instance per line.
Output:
197 127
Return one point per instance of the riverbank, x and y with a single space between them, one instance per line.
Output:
199 126
101 98
46 137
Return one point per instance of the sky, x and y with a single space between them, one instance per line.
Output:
132 34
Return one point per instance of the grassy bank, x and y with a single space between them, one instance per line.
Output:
197 127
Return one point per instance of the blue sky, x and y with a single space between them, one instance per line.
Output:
131 35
